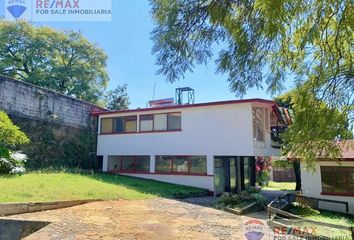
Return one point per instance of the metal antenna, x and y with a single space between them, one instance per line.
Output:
153 94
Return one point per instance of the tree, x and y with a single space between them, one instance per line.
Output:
314 132
10 137
117 99
10 134
65 62
266 42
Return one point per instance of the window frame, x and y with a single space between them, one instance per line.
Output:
153 122
130 118
189 159
347 169
262 122
135 159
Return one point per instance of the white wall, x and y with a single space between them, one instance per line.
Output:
214 130
311 183
205 182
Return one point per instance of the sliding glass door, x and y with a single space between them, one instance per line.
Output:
233 173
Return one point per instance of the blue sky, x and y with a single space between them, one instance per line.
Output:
126 40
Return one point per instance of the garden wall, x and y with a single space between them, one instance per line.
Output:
60 127
279 174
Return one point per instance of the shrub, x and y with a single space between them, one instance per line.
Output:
282 164
11 162
302 209
242 199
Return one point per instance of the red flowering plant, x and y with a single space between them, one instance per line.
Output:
263 167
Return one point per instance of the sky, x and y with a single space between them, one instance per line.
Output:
126 41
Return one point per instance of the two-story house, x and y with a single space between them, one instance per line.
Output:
207 145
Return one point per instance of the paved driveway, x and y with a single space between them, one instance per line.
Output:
159 218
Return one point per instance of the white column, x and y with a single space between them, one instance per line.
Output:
210 165
105 163
152 164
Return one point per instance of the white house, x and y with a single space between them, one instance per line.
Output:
207 145
333 179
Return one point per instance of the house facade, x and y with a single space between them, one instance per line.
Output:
208 145
333 179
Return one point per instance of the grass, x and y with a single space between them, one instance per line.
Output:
322 216
281 186
325 217
59 186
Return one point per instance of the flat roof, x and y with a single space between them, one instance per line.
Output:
252 100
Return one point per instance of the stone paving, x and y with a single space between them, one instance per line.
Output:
151 219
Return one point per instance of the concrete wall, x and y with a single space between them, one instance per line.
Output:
311 184
61 130
205 182
279 174
23 99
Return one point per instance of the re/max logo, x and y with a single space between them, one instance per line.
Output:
47 4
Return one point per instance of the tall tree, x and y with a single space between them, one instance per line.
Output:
62 61
266 42
117 99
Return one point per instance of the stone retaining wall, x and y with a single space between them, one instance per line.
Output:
7 209
24 99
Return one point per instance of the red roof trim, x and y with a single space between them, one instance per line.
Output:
253 100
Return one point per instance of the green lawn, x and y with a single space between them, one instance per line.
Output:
325 217
70 186
283 186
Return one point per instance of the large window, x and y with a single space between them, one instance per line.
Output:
181 164
160 122
148 123
129 163
119 125
258 123
337 180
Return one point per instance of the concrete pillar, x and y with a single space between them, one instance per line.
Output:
105 163
210 165
152 164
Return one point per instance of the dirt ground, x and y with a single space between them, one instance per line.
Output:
161 219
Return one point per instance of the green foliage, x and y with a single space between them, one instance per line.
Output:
242 199
14 163
302 210
11 137
78 184
260 40
315 128
56 146
280 186
62 61
282 164
117 99
10 134
263 177
266 42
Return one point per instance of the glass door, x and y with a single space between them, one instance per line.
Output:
219 175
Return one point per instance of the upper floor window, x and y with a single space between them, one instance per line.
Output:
258 123
337 180
126 124
160 122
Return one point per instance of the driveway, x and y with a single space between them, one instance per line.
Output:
158 218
